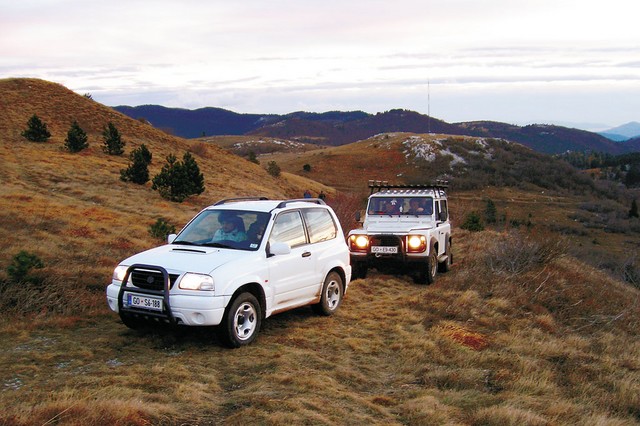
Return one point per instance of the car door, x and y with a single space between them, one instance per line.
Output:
322 231
290 275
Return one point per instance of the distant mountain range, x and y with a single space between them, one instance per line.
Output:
339 128
622 133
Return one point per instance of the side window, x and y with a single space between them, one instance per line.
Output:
320 225
441 210
288 229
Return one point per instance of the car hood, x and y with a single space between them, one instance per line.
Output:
396 224
177 258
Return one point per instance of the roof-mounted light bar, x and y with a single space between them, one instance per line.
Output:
379 185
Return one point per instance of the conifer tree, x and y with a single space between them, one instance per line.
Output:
76 138
490 212
36 130
138 170
192 174
113 143
178 180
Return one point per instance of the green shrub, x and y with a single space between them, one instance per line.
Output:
472 222
273 169
36 130
253 157
161 229
76 138
21 266
306 167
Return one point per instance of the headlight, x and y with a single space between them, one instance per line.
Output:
119 272
359 242
416 243
192 281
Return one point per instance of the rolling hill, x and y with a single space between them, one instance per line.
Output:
73 210
339 128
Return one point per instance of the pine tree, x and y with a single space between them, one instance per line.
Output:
113 143
179 180
490 212
138 170
192 174
36 130
76 138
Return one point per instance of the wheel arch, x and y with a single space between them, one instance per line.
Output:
257 291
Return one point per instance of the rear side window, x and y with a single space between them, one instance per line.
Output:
320 225
288 228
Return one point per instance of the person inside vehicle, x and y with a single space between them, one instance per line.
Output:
231 229
256 230
392 207
415 207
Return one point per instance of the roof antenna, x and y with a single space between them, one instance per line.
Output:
429 106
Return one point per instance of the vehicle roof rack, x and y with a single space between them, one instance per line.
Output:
379 185
297 200
235 200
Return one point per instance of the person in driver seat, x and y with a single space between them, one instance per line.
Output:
231 229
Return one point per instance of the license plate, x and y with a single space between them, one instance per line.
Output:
146 302
384 249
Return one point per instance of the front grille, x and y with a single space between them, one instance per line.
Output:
385 240
151 280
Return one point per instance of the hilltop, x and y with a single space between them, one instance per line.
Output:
339 128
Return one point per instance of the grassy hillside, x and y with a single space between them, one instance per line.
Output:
520 332
529 189
74 212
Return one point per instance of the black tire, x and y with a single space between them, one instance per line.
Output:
446 265
241 321
358 270
331 296
426 273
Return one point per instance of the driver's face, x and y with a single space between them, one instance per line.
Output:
228 226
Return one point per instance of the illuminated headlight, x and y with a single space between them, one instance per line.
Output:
119 272
359 242
192 281
416 243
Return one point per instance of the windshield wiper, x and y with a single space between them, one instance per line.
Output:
216 245
186 243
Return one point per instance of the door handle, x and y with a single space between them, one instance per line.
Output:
306 254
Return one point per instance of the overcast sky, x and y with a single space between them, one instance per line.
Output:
516 61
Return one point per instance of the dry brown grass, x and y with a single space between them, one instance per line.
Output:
555 343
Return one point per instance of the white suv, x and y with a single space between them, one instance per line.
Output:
406 228
234 264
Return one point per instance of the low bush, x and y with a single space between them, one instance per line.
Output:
517 252
21 266
161 229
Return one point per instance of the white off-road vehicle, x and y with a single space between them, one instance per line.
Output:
234 264
406 229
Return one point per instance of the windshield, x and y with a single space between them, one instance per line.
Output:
236 229
400 206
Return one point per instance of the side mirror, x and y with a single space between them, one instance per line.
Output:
171 238
358 216
277 248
